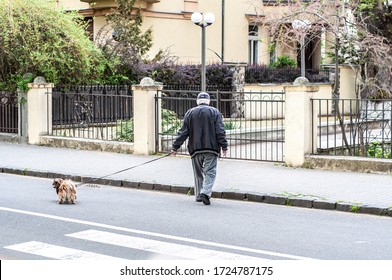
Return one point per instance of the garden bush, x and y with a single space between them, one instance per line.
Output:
36 38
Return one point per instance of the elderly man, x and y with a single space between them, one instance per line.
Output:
207 137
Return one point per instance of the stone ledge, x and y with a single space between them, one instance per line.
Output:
347 163
87 144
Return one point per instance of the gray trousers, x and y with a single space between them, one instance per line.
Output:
204 171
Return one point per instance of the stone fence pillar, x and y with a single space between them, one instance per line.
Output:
144 116
39 110
22 117
298 123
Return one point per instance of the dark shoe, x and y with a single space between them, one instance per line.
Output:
198 198
205 199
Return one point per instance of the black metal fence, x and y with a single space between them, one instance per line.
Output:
196 87
94 112
8 112
254 121
263 74
352 127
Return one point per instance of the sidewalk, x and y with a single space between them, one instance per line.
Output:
240 180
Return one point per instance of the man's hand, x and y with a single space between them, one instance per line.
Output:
173 152
224 153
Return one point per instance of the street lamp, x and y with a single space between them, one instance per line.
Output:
302 26
203 21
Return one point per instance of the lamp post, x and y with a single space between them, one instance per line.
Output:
302 26
203 21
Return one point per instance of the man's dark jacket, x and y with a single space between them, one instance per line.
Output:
204 127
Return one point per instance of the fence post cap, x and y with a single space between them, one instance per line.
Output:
39 80
301 81
147 82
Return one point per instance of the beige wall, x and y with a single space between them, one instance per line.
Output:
72 5
173 29
177 32
183 42
236 32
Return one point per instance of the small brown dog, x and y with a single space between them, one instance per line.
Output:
66 190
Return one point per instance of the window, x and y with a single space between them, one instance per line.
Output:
253 44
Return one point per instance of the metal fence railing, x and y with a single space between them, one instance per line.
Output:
8 112
263 74
353 127
196 87
93 112
254 122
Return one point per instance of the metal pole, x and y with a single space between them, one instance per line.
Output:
302 55
223 32
203 58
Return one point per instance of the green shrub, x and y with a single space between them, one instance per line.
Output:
284 62
229 125
170 122
377 150
36 38
125 130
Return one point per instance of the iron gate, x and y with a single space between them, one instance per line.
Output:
352 127
9 112
254 121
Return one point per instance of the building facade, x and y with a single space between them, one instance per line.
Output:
236 36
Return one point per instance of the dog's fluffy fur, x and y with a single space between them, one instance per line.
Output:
66 190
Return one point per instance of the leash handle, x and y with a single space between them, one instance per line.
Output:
123 170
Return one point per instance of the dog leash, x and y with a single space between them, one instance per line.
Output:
123 170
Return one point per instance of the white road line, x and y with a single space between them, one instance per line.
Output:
57 252
171 237
159 247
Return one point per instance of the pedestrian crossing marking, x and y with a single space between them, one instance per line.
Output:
58 252
158 247
154 234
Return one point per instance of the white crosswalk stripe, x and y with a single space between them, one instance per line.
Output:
158 247
57 252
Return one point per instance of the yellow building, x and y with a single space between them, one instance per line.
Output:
235 36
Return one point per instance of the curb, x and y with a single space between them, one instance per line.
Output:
302 202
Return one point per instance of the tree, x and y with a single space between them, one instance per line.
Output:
35 38
361 37
375 21
123 41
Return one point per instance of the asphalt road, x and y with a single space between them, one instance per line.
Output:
113 222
